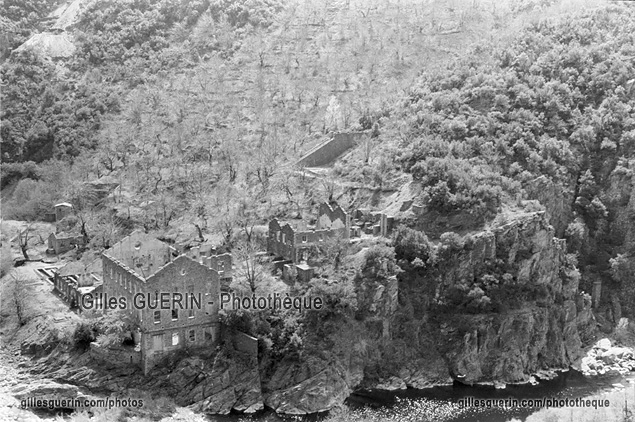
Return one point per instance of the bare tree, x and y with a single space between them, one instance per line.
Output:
251 266
23 239
226 227
20 298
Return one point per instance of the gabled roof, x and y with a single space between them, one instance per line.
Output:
181 263
66 235
141 253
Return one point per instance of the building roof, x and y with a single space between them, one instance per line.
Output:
72 268
66 235
304 267
141 253
64 204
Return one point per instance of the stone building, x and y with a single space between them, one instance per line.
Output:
63 242
372 223
62 210
78 278
294 242
142 266
210 256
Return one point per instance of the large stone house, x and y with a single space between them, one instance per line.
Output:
294 242
142 266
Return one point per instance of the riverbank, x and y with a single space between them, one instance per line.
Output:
449 404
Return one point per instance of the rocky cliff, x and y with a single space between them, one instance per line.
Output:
518 310
208 382
542 326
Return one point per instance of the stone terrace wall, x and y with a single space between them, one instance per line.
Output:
115 356
328 151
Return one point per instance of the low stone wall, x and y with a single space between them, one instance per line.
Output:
115 356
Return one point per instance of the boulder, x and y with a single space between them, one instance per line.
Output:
319 393
604 344
392 384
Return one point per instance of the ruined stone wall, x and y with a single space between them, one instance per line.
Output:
280 245
115 356
334 218
221 263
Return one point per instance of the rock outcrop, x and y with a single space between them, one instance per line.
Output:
606 359
544 331
213 384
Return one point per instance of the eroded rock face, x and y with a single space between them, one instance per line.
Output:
229 385
544 332
213 385
556 199
317 393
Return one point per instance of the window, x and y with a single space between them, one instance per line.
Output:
183 272
192 335
304 238
175 339
278 236
175 314
157 317
321 237
284 238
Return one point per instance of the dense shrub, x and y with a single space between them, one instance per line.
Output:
84 334
412 248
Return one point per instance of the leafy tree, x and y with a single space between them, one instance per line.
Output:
412 248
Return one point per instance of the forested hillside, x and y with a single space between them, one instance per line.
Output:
209 99
557 102
499 135
194 107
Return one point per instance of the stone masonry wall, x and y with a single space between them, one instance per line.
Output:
330 150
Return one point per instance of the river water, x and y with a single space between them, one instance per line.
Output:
443 404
